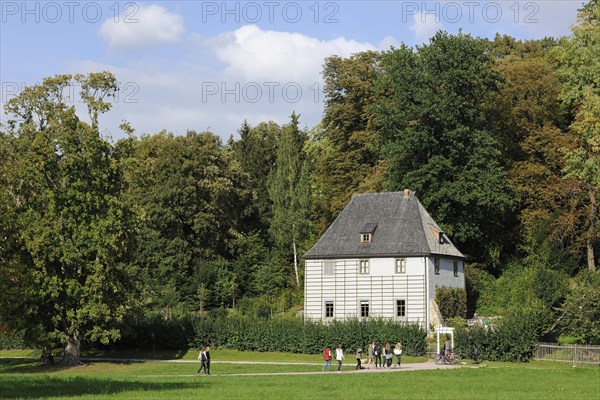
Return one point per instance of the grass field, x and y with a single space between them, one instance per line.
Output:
25 379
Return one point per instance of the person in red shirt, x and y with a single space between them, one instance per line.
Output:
327 358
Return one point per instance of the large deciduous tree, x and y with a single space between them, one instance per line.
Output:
347 153
431 115
71 232
579 69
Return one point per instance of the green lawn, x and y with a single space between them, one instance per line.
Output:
24 379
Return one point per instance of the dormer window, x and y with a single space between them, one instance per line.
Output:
439 235
367 231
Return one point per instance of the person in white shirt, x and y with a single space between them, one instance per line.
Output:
339 356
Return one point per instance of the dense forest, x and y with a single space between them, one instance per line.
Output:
499 138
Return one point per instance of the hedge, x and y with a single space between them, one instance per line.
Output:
292 335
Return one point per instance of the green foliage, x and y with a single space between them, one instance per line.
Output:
256 152
513 340
576 58
189 198
154 332
292 335
478 287
431 115
580 311
569 340
73 234
521 286
346 157
11 340
289 188
452 302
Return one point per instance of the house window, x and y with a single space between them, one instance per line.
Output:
363 267
329 309
455 268
328 268
400 308
400 265
364 308
365 238
436 266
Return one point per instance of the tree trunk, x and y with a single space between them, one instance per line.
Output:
47 356
591 257
71 352
296 264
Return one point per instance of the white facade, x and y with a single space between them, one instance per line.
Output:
382 287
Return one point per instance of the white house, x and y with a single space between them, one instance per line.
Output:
383 256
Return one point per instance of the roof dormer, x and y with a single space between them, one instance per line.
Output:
367 231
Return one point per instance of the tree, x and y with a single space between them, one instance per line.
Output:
289 188
73 231
529 124
579 70
347 154
189 196
432 117
255 151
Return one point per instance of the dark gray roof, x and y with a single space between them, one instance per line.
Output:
404 228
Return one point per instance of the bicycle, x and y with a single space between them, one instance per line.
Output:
450 358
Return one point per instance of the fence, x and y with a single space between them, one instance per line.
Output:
573 353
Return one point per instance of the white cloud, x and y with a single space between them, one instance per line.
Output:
248 73
253 54
387 42
147 26
425 25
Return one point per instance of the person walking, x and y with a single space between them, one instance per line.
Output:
398 353
377 354
204 358
387 350
339 356
327 358
207 352
370 354
358 358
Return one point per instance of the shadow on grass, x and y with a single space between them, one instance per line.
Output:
29 380
145 354
36 386
24 366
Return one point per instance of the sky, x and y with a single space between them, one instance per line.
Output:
210 65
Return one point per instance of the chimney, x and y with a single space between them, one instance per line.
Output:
406 192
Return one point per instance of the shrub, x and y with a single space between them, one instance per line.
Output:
513 340
452 302
154 332
11 340
292 335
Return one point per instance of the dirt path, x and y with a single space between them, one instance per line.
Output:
428 365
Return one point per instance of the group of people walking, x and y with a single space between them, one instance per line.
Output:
383 355
378 355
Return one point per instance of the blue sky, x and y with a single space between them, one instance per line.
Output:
208 65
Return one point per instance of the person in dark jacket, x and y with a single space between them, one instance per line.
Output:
377 354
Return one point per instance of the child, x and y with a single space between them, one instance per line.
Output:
358 358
